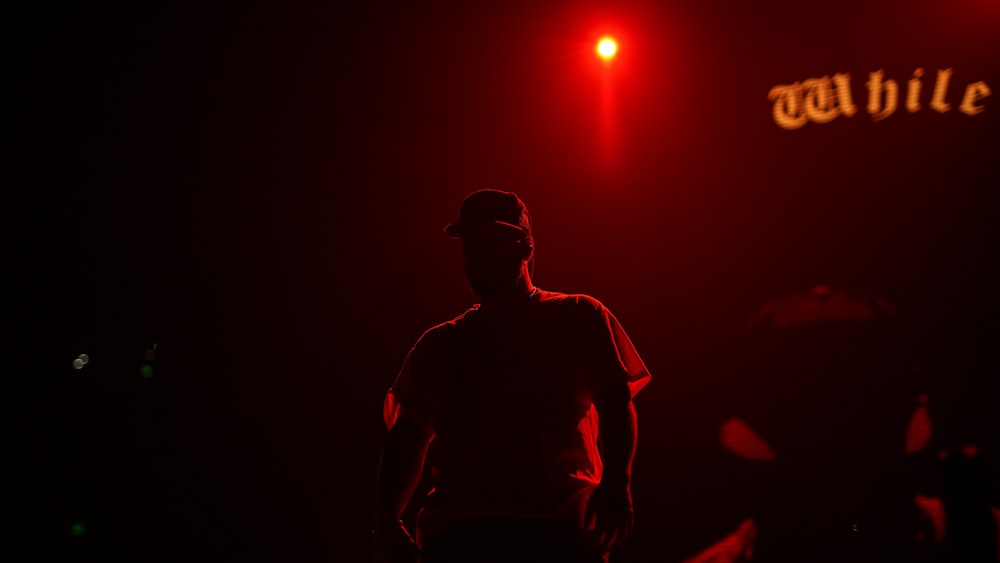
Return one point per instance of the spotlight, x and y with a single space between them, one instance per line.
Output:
607 48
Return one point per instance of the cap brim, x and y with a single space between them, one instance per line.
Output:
453 230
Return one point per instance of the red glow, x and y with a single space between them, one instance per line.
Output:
607 48
741 440
918 433
970 450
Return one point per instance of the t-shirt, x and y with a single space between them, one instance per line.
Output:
508 391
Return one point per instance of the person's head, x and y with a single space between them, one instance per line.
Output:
495 230
832 425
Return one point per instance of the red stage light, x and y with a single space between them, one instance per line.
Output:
607 48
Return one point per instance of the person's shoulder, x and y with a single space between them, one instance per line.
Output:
578 301
442 331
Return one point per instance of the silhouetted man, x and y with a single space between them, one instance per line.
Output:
525 403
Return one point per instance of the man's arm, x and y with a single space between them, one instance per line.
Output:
610 507
400 468
618 432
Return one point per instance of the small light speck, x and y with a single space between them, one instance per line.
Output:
78 529
78 363
854 527
84 358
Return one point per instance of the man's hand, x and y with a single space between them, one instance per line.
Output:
400 468
609 517
393 544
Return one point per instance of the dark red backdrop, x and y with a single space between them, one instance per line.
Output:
261 191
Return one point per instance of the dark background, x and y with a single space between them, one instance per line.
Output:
261 189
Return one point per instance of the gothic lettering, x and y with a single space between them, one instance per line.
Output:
821 100
875 88
787 100
940 87
818 99
844 100
913 91
974 92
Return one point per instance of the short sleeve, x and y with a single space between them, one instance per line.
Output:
610 356
410 391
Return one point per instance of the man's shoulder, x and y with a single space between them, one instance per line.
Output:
441 331
570 300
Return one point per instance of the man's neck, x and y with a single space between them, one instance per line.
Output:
522 288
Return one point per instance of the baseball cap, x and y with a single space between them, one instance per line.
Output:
489 209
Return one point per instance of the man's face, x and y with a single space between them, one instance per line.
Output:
493 261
